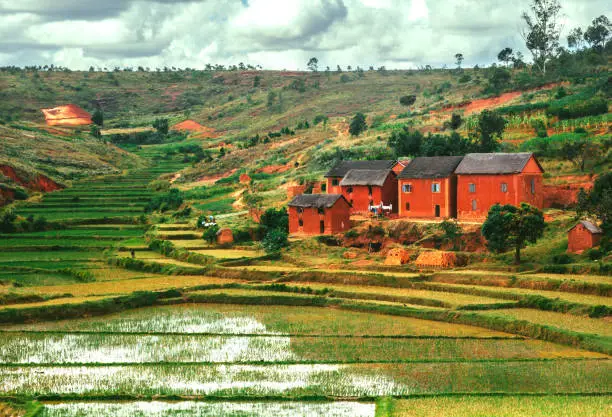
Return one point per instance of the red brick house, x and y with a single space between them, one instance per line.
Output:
225 236
427 187
319 214
585 235
364 188
337 173
505 178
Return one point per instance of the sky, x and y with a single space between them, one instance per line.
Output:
276 34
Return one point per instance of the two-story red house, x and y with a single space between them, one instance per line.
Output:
427 187
319 214
505 178
364 188
337 173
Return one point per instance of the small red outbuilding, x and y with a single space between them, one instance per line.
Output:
319 214
585 235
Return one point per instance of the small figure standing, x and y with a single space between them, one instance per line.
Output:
133 254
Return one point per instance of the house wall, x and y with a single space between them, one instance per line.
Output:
360 197
334 189
225 236
580 239
337 219
489 191
423 201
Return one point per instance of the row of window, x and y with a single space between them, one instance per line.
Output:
435 187
437 208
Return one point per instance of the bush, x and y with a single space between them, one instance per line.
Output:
562 259
20 194
576 109
275 240
594 254
351 234
408 100
170 201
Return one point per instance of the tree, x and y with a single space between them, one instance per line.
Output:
498 78
456 121
210 234
451 230
459 60
94 131
358 125
580 152
509 227
408 100
313 64
274 241
506 56
491 126
98 117
253 202
542 31
406 142
575 39
161 125
598 203
598 33
275 219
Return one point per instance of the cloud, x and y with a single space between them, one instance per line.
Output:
276 34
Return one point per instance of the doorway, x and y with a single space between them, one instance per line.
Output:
437 210
322 226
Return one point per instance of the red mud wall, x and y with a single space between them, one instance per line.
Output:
580 239
423 201
336 220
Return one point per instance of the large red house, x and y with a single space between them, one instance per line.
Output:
364 188
427 187
337 173
319 214
484 180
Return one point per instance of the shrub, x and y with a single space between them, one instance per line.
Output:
576 109
562 259
408 100
351 234
170 201
275 240
20 194
594 254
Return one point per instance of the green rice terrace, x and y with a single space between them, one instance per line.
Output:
120 297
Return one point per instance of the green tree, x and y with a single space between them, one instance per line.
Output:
598 33
506 56
161 125
491 126
275 240
408 100
542 31
510 227
313 64
275 219
498 78
598 203
575 39
210 234
358 125
580 152
98 117
456 121
451 230
95 131
459 60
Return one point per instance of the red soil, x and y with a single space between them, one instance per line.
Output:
38 183
486 103
275 169
214 178
69 115
194 127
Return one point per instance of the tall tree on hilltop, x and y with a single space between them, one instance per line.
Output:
598 33
491 126
459 60
542 31
313 64
506 56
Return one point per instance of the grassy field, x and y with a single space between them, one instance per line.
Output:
558 406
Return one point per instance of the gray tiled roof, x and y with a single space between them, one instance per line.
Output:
344 167
493 163
375 177
590 226
315 200
431 167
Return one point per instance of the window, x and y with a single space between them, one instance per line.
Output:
407 206
474 205
301 222
532 186
349 190
504 187
300 210
369 190
321 210
435 188
351 201
323 187
335 182
407 188
472 188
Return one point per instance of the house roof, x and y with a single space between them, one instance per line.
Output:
315 200
494 163
590 226
375 177
344 167
431 167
